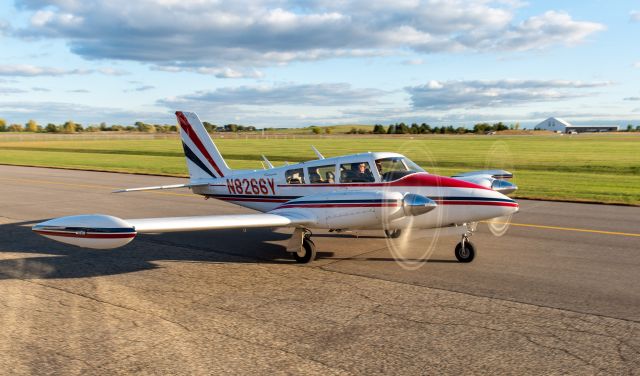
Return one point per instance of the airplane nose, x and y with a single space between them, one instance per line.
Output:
503 186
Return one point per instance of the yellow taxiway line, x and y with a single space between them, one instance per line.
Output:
588 230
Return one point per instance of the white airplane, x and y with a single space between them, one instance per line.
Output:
361 191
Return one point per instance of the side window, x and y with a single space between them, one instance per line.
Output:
322 174
295 176
359 172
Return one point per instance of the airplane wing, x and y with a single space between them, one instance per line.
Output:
219 222
101 231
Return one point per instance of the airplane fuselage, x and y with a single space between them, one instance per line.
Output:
347 202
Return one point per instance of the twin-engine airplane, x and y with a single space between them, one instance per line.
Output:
361 191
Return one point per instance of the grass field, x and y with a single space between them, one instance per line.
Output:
595 168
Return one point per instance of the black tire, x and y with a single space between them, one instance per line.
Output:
393 234
307 252
467 254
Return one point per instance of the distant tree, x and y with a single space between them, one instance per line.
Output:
379 129
415 129
629 128
103 126
142 127
79 128
328 130
516 126
208 126
92 128
117 128
391 129
499 127
130 128
352 131
450 130
3 125
231 127
15 128
316 130
637 128
461 130
31 126
51 128
362 131
69 127
174 128
425 128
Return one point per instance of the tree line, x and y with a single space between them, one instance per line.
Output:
73 127
139 126
424 128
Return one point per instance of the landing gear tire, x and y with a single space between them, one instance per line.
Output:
465 251
393 234
307 253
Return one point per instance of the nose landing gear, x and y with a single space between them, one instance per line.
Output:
465 251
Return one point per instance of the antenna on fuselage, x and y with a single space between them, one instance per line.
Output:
320 156
267 162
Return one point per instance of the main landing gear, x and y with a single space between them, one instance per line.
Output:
465 251
393 234
301 246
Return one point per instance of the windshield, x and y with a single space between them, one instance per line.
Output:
396 167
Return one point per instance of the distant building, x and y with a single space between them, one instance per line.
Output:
559 125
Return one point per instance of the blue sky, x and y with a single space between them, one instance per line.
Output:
298 63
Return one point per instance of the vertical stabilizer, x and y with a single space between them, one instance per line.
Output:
203 158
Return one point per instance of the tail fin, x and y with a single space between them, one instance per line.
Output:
203 158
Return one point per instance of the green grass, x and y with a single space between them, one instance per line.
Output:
595 168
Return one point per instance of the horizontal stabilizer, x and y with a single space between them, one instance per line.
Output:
158 187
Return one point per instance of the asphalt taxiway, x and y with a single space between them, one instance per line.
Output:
559 293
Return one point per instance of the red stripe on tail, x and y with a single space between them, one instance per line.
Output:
184 124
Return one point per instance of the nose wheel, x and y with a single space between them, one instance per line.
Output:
465 250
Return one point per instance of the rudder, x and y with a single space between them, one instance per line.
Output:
204 161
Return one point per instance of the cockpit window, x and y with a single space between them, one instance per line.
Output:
396 167
359 172
322 174
295 176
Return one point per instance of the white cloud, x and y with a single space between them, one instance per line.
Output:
113 71
58 112
413 62
224 72
253 33
634 16
328 94
26 70
494 93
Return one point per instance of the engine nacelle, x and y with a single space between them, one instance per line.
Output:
491 179
95 231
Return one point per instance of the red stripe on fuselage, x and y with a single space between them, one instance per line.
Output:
419 179
184 124
287 206
87 235
252 199
484 203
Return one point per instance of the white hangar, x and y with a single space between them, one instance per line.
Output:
555 124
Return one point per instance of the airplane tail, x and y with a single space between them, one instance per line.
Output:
203 158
